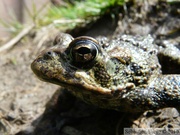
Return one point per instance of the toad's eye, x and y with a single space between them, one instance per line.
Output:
83 52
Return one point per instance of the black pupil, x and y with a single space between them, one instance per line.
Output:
84 50
83 54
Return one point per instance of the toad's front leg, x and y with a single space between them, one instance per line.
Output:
163 91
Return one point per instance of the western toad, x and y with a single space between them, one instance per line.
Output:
122 73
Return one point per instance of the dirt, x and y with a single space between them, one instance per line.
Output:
23 96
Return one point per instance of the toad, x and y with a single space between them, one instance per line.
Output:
122 73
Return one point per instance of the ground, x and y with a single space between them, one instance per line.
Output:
23 96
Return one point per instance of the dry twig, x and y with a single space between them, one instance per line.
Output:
16 39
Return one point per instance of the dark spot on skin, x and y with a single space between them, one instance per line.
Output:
39 60
69 75
135 68
152 52
115 93
115 81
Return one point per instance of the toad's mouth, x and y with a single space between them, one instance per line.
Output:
65 78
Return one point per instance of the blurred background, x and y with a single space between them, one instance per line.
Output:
17 10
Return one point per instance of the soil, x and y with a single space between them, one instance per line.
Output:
23 96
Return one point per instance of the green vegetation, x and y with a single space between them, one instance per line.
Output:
65 17
13 26
69 16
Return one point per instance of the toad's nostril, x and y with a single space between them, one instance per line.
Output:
48 55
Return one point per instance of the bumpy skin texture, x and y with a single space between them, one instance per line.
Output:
121 74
